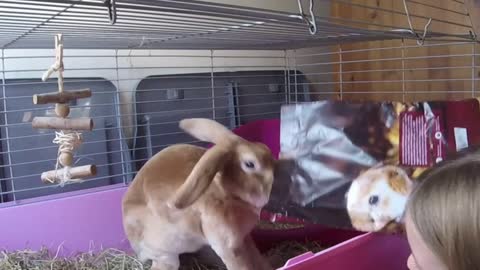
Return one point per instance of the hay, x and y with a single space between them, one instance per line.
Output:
284 251
266 225
112 259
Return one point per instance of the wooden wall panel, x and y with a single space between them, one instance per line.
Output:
397 70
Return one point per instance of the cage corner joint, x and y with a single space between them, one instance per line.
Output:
68 138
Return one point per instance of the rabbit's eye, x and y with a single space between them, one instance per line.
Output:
249 164
373 200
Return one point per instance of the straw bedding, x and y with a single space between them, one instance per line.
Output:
111 259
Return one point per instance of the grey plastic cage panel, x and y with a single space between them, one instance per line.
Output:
234 98
32 151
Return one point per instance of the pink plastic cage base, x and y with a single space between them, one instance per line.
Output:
91 220
366 252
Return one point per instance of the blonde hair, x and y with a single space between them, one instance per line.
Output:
445 208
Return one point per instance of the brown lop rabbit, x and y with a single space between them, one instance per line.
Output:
187 197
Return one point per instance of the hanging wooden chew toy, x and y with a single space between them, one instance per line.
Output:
68 138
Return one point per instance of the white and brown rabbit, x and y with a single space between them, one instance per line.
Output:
187 197
377 197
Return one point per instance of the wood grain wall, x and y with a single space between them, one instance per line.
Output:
401 70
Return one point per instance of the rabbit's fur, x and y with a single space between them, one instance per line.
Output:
377 197
187 197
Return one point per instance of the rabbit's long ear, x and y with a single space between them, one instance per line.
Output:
208 130
201 177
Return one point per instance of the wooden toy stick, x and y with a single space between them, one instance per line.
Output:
70 173
61 97
83 123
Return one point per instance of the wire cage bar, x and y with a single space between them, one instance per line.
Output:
194 24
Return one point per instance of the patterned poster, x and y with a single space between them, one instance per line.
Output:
346 164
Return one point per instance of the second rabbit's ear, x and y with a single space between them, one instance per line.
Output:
398 179
208 130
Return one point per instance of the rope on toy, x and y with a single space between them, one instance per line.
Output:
68 143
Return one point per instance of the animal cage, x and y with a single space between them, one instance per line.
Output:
151 63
